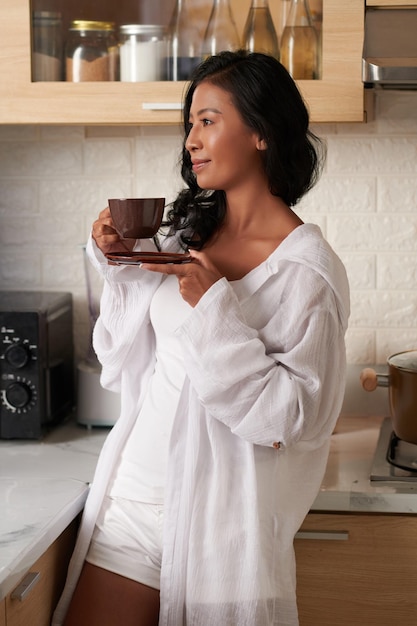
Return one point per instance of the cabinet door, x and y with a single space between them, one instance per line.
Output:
338 96
23 101
357 570
35 607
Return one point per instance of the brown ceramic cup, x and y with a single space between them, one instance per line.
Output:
136 218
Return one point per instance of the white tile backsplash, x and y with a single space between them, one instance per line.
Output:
383 232
55 180
397 271
372 154
40 158
347 194
104 157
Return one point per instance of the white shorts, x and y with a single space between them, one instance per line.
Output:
127 540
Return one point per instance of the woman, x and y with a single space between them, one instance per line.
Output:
231 371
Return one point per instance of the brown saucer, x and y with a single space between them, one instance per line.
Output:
137 258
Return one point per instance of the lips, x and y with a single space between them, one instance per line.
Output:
198 164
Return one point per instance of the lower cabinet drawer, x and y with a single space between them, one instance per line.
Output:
357 570
33 601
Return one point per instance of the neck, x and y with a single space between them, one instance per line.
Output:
251 210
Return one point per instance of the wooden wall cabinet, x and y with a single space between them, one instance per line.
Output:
357 570
36 606
337 97
391 3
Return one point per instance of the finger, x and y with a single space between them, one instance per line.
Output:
200 257
104 213
167 268
103 226
106 219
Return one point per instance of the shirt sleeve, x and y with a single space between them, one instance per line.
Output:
122 327
276 383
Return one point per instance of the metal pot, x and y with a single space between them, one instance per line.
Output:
402 383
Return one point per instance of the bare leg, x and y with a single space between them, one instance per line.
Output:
106 599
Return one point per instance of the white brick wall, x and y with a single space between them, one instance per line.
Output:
54 181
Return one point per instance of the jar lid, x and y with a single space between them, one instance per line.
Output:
404 360
91 25
47 15
142 29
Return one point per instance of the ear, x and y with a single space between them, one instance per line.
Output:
261 144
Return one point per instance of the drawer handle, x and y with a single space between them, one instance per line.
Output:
26 586
162 106
323 535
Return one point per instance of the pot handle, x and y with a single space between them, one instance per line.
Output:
370 380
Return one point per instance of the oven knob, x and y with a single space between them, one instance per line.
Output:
18 395
17 355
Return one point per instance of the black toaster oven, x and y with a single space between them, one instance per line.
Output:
36 362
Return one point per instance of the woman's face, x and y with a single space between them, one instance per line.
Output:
224 152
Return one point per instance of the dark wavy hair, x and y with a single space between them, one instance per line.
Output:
269 102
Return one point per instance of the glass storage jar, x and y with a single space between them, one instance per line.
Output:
142 52
47 46
91 52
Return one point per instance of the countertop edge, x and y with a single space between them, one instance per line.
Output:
12 576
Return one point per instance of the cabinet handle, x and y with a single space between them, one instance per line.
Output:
162 106
323 535
26 586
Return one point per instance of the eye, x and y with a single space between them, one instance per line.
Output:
206 122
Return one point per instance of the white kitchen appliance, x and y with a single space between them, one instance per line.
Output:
96 406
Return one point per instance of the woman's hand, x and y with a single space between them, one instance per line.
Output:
106 237
194 278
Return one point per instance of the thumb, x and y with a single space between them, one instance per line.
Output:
202 259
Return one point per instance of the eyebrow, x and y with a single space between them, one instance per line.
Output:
208 109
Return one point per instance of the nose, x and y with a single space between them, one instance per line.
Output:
193 141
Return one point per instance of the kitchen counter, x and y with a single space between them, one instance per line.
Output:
43 486
346 487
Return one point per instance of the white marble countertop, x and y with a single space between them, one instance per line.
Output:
346 486
43 486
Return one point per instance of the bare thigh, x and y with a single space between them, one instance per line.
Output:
106 599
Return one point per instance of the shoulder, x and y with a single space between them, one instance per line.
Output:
306 262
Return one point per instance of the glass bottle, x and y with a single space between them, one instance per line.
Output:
47 46
285 9
316 10
221 32
259 34
184 43
299 43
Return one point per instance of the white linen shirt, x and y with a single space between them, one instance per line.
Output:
265 373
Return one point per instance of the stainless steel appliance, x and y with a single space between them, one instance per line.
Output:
36 362
394 459
402 383
390 47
